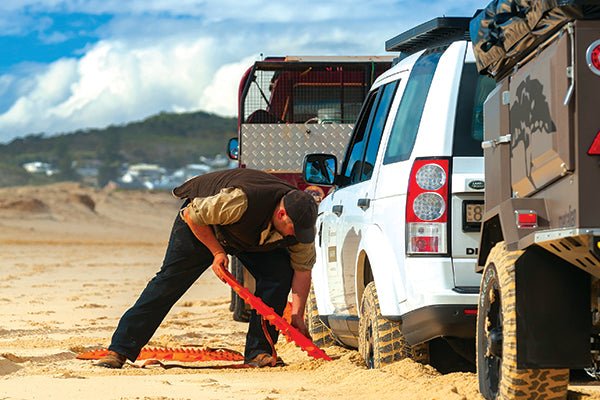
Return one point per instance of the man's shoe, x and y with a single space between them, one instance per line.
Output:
112 360
265 360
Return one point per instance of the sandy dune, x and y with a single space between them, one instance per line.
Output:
74 259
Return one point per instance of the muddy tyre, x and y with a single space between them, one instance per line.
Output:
497 372
319 332
241 311
380 340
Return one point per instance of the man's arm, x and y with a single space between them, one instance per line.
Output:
224 208
302 258
206 235
300 289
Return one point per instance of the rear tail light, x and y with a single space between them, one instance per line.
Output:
594 149
592 57
526 219
427 207
426 237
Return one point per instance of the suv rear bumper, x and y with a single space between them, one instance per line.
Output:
430 322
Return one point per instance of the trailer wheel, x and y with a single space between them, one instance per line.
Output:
320 334
380 340
241 312
499 377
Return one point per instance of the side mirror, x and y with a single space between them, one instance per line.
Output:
319 169
233 148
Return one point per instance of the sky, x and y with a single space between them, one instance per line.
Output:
77 64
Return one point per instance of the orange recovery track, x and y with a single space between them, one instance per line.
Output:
183 354
193 354
268 314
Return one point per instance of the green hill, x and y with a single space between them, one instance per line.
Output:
170 140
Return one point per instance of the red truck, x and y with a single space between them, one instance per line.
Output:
292 106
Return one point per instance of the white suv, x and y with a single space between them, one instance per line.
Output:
397 239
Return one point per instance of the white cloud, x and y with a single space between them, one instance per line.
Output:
192 58
220 96
112 84
117 81
295 11
6 82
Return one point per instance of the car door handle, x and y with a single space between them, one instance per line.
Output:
337 210
363 203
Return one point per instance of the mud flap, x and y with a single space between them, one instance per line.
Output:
553 312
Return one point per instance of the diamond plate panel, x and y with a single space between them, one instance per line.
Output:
282 147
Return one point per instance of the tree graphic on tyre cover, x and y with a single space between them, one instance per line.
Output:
529 115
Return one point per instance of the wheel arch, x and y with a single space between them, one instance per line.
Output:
500 225
491 234
364 275
377 261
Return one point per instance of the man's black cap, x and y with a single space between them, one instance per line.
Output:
301 207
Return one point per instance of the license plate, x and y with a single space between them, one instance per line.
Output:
472 215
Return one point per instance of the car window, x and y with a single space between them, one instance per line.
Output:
362 152
468 129
383 109
406 124
352 166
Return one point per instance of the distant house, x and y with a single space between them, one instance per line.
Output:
218 162
190 171
39 167
142 176
88 170
155 177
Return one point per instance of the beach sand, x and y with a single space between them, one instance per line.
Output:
74 259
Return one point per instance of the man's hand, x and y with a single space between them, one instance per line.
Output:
300 288
298 323
221 259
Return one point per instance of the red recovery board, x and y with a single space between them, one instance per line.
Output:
268 314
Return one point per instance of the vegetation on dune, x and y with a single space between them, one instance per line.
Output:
168 139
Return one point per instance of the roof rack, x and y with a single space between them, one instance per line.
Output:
297 62
437 32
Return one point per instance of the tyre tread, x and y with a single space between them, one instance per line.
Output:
515 383
319 332
389 342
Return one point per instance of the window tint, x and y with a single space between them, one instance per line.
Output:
360 162
406 124
383 109
352 164
468 129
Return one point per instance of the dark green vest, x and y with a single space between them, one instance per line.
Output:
263 191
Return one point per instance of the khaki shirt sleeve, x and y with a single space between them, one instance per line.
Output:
302 256
224 208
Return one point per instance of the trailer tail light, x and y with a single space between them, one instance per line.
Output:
592 57
526 219
470 311
594 149
427 207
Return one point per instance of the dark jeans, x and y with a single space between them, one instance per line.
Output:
185 260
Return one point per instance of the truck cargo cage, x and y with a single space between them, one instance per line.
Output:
434 33
295 105
309 90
